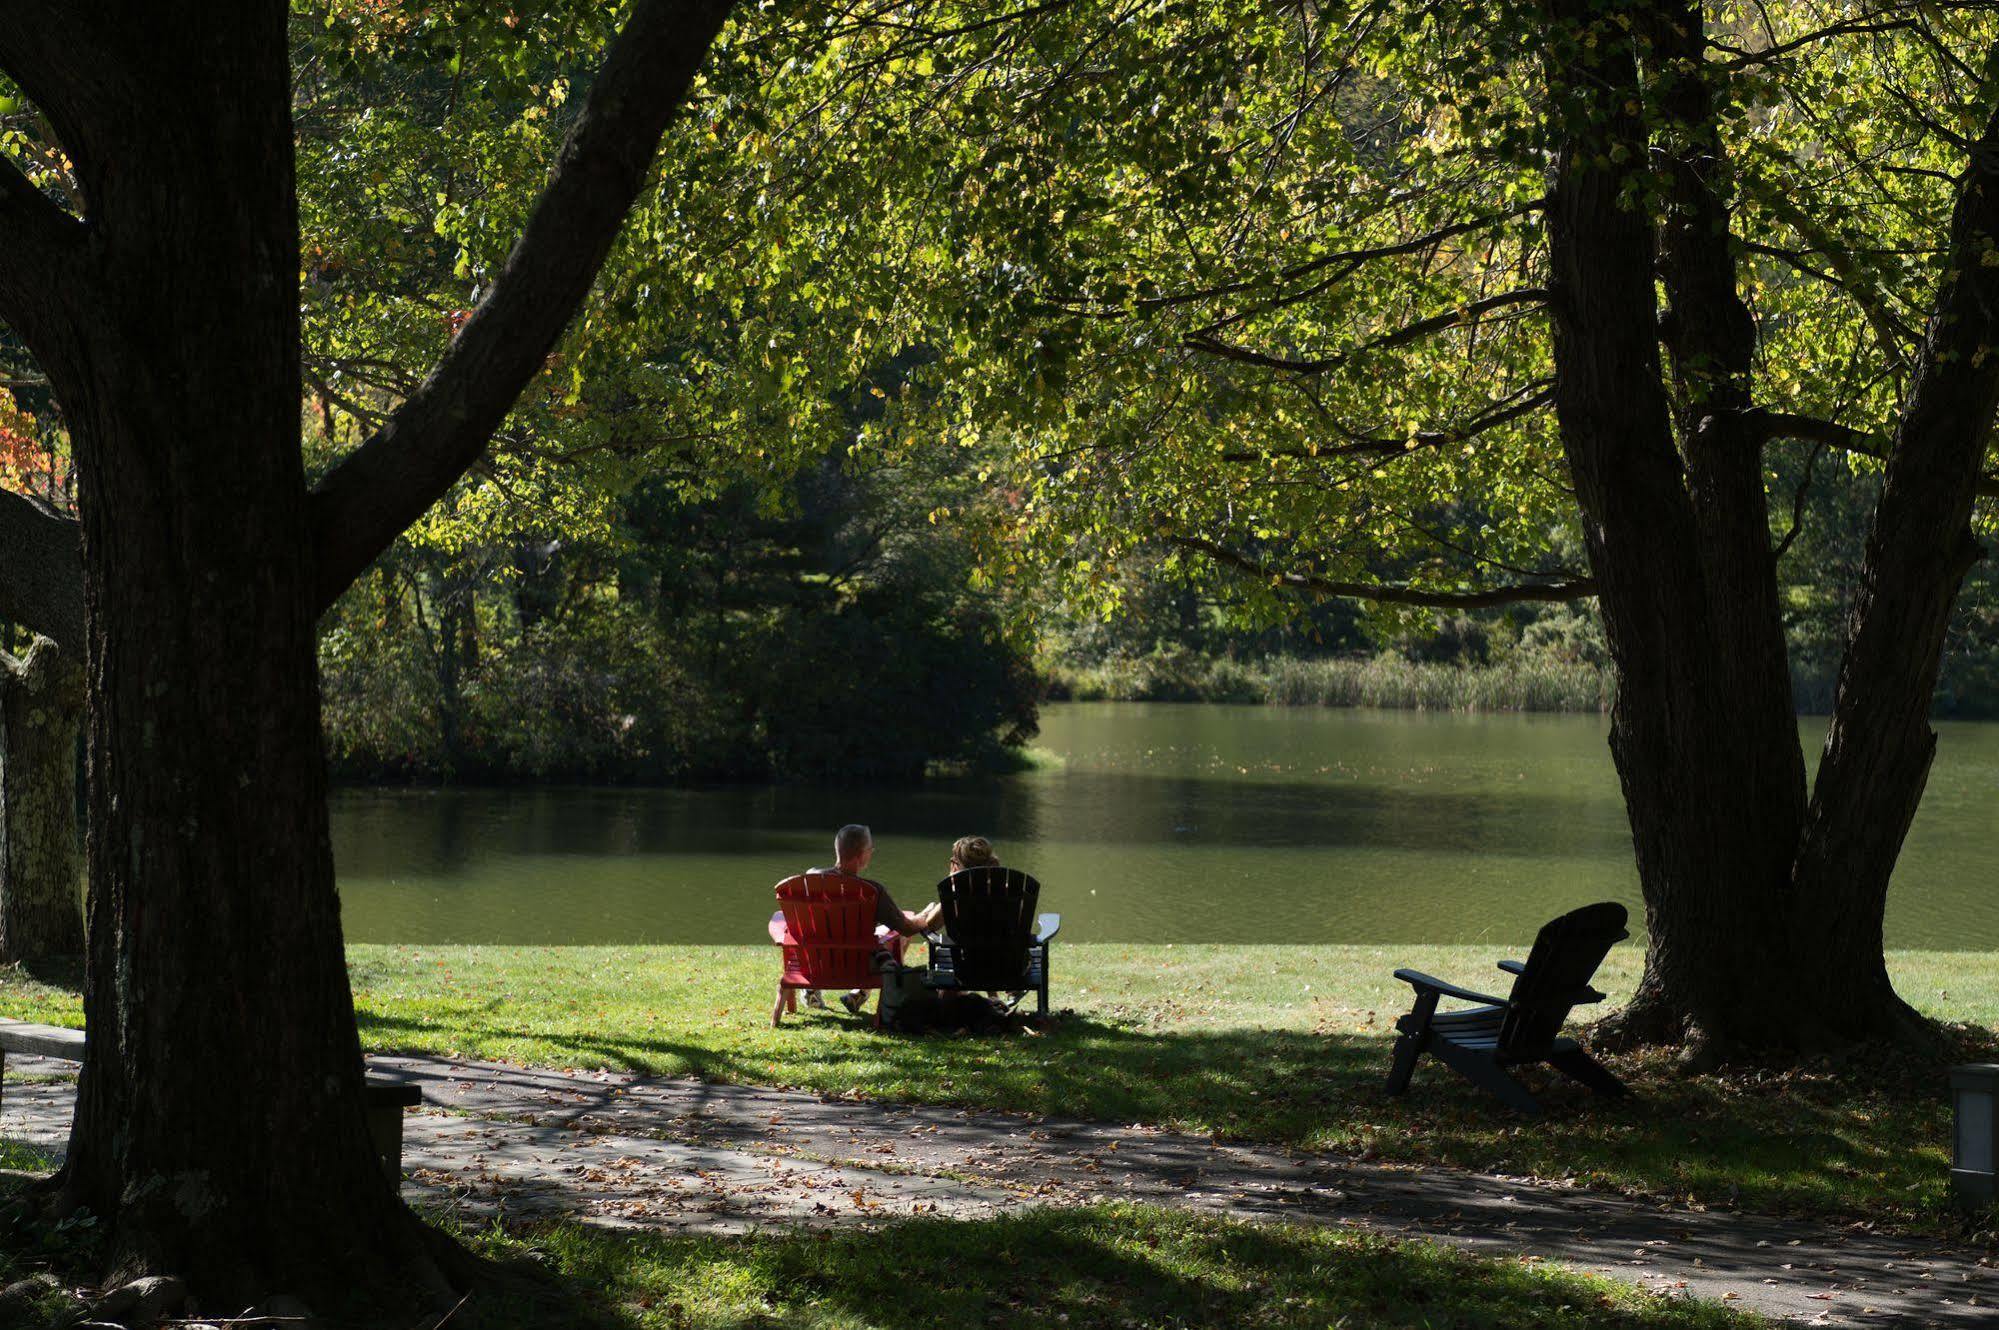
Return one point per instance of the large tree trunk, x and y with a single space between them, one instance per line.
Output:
1702 733
41 873
1878 749
1764 912
219 1130
223 1083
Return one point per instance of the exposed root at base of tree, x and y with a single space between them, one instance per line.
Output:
436 1274
1647 1021
464 1281
1899 1033
84 1275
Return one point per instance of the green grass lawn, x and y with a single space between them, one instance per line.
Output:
1278 1044
1110 1267
1100 1268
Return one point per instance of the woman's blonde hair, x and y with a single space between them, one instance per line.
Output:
973 852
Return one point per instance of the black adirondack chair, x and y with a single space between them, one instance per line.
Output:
1520 1029
992 940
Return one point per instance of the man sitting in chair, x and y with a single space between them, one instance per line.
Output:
853 850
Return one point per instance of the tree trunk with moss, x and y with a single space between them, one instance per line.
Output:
41 869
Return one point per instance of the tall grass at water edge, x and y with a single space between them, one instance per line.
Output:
1536 683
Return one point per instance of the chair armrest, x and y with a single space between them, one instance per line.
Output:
1423 983
1514 967
780 933
1046 927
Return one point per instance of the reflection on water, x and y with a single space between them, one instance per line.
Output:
1165 823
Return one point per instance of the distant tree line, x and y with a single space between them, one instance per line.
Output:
826 632
1174 639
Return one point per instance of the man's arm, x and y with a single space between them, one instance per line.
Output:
891 916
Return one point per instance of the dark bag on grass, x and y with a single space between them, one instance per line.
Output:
909 1005
905 997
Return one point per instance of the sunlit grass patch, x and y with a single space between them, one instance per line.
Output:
22 1157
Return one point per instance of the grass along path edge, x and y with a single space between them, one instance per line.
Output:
1103 1268
543 1147
1279 1044
1109 1267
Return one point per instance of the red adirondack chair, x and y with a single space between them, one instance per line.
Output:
826 924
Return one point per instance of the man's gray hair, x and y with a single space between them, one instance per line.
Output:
851 839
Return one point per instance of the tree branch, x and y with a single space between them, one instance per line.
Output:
1811 429
1348 261
1893 336
37 239
1879 745
28 216
41 570
1767 425
1353 261
1798 497
376 491
64 57
1577 588
1435 323
1743 57
1537 395
1889 329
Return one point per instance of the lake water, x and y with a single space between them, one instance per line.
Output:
1162 823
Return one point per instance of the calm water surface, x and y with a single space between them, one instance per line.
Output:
1163 823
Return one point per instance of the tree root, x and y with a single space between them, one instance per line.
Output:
1647 1021
1895 1034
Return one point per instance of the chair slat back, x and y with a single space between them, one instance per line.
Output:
989 912
831 917
1566 955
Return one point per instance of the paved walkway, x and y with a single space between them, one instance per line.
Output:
614 1149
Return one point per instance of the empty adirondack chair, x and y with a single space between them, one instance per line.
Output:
1522 1028
992 939
826 924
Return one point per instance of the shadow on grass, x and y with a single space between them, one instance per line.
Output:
64 972
1100 1267
1862 1138
1089 1269
638 1055
1867 1137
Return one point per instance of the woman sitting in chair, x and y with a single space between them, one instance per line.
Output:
972 852
966 852
969 852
